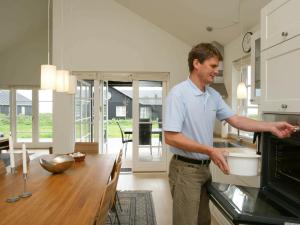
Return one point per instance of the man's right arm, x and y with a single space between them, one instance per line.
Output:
178 140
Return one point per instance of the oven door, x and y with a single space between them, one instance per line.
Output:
248 205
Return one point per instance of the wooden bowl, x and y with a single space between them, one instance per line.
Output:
78 157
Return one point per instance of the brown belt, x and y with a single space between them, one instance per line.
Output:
204 162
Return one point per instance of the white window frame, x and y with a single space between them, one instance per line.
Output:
245 104
121 111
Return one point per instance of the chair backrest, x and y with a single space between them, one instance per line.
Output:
160 126
2 167
116 175
117 164
87 147
122 133
106 201
145 133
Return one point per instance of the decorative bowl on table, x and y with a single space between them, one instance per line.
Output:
56 163
78 156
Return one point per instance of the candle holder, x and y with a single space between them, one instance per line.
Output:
14 197
25 193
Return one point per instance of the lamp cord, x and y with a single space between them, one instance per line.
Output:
61 35
241 24
48 32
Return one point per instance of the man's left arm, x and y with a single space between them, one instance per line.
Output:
280 129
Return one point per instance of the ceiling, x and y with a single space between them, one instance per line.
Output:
19 19
188 19
184 19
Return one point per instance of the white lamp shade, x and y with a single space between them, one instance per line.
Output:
241 91
48 77
62 81
72 84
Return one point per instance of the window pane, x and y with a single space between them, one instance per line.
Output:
4 113
248 75
24 115
83 111
45 115
252 113
150 107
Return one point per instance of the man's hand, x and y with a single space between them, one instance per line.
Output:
217 155
281 129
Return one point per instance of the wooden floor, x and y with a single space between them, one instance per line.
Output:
158 183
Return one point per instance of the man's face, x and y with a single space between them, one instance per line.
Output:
207 70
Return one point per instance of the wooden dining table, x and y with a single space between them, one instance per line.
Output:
69 198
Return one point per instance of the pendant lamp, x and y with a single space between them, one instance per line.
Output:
241 91
62 81
241 88
62 75
48 72
72 84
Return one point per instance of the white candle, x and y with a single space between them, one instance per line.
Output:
11 153
24 156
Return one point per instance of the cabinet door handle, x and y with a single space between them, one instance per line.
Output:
283 106
284 34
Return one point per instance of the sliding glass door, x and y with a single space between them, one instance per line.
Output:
148 147
128 113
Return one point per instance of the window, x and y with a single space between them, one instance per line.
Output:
45 116
145 112
24 117
83 112
244 106
120 111
4 113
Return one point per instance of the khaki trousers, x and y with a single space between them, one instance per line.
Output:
188 188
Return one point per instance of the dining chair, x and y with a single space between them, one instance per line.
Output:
106 203
160 136
125 140
115 198
145 135
87 147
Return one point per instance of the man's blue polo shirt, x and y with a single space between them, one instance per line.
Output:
193 112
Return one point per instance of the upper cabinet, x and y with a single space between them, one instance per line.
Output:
255 68
281 80
280 57
280 21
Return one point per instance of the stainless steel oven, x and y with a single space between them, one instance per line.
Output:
277 201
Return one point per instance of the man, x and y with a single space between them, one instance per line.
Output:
192 107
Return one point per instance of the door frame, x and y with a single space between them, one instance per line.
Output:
134 77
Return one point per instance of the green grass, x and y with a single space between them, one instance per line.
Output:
114 131
24 125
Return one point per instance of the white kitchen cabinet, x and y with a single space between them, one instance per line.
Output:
220 218
280 21
255 68
280 77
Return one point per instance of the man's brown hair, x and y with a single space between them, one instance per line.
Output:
202 52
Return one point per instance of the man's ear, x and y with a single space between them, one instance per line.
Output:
196 64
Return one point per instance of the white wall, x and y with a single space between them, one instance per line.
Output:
232 51
20 64
101 35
